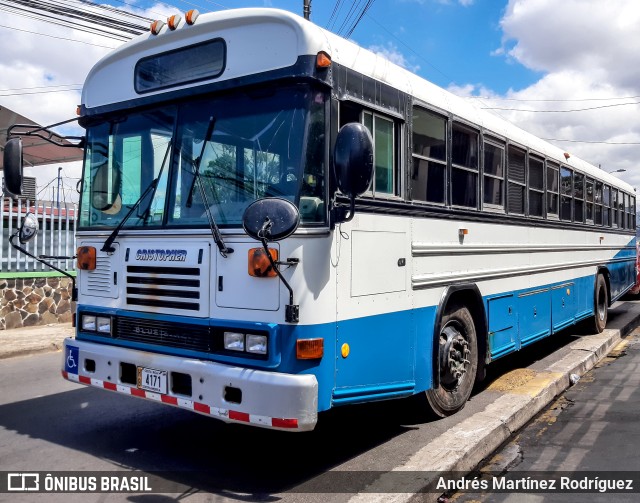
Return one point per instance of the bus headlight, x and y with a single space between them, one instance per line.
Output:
257 344
103 325
234 341
88 322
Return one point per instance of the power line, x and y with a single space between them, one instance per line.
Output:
40 92
334 13
562 111
54 36
81 15
52 20
492 98
364 11
594 141
40 87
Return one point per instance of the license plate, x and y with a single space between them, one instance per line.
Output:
152 380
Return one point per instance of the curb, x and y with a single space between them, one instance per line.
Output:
33 340
48 348
463 447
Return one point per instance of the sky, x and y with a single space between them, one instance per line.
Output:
567 71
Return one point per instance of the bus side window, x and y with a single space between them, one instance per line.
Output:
552 190
429 155
493 173
578 197
516 176
536 187
598 215
566 188
464 167
606 206
383 132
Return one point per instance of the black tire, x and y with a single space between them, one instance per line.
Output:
600 305
457 371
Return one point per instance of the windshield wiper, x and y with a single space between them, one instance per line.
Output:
108 244
215 231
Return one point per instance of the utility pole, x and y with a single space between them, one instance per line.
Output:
306 9
58 193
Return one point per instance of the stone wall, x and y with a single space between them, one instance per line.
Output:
26 302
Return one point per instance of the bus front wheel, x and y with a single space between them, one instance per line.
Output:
457 362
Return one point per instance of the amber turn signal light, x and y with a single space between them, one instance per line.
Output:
86 258
259 263
323 60
191 16
173 22
309 349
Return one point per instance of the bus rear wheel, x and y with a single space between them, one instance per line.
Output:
601 305
457 361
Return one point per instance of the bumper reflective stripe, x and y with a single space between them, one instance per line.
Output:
232 415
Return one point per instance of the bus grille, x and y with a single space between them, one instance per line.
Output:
164 287
162 333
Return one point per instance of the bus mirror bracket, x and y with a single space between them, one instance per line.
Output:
274 219
353 165
13 150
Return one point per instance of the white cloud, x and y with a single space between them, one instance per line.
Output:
391 52
587 50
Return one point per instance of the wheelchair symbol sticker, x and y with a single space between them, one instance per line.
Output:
71 360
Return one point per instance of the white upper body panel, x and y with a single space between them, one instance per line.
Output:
259 40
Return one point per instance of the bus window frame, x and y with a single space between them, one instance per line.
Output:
523 185
500 143
538 158
469 128
445 163
553 165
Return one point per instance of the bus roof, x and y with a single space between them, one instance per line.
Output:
260 39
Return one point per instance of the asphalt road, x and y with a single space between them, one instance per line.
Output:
49 424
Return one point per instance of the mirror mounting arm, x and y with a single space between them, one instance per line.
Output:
74 289
292 311
342 214
45 133
274 219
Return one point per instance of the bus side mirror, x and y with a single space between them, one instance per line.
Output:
353 162
13 166
28 228
271 219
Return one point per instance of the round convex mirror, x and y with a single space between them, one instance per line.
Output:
271 218
28 229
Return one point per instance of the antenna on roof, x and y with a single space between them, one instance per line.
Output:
306 9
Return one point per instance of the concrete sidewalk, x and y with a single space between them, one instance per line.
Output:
30 340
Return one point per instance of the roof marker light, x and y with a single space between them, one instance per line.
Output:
191 16
323 60
156 26
174 21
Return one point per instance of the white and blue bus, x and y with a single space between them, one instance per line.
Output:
275 221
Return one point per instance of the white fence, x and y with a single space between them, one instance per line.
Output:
55 237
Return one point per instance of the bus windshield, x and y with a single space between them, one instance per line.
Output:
246 146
